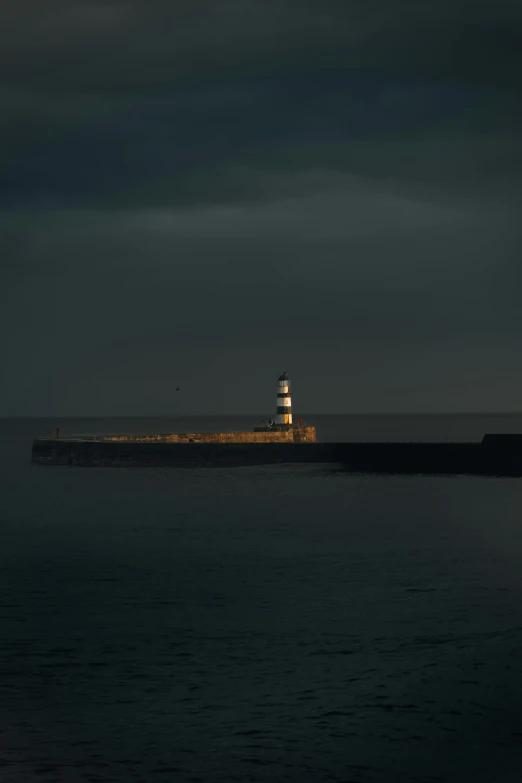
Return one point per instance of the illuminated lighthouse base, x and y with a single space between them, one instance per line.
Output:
284 401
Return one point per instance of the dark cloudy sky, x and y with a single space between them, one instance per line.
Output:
208 192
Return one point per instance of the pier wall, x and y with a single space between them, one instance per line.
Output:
495 456
291 435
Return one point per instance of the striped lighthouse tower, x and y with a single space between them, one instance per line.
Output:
284 401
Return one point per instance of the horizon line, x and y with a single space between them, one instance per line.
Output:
257 415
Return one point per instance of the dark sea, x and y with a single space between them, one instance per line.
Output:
274 623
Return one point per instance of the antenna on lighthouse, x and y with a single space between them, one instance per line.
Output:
284 401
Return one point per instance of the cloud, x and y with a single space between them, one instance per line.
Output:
110 104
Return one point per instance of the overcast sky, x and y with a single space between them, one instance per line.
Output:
205 193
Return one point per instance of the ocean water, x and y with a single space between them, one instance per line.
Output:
279 623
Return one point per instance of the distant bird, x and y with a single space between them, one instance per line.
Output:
177 388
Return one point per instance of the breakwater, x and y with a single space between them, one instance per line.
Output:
496 455
259 435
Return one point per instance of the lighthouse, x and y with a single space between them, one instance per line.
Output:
284 401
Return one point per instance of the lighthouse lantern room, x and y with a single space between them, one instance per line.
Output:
284 401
